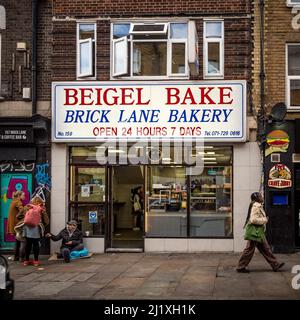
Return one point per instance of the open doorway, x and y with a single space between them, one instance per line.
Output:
127 222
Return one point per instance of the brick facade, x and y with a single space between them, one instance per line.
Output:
236 15
278 32
19 29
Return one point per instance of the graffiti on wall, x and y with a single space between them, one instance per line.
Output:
42 175
17 166
11 182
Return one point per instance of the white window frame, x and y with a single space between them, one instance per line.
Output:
289 78
169 47
132 25
169 75
89 75
125 71
290 3
207 75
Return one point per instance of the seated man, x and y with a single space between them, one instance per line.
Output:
71 239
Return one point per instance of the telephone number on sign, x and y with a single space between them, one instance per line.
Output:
221 133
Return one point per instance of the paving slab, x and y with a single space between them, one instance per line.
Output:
155 276
46 289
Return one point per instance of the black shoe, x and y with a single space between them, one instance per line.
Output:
67 258
243 270
16 258
280 265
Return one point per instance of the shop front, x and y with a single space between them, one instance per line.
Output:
182 146
24 165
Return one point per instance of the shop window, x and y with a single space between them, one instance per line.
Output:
87 198
86 50
150 50
167 202
213 49
293 76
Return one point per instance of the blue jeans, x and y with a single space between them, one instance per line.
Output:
65 252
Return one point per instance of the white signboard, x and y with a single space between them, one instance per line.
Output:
97 111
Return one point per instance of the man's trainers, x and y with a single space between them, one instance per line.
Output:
26 263
280 265
243 270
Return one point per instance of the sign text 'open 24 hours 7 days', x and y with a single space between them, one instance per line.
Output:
95 111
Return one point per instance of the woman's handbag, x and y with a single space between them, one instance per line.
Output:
254 233
136 206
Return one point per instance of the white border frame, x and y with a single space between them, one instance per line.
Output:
288 78
244 137
221 41
78 76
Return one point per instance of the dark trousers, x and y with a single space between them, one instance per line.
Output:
65 252
20 249
263 248
32 243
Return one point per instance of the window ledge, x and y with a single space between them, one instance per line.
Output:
150 78
213 77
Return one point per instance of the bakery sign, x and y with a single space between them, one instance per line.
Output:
95 111
280 177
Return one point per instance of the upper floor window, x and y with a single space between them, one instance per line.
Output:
293 2
150 50
293 75
213 49
86 50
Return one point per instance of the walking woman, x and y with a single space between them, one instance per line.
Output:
33 234
16 207
257 220
137 209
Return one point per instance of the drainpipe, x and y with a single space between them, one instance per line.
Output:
34 55
262 111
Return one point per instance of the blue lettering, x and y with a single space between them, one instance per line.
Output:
173 115
69 116
227 112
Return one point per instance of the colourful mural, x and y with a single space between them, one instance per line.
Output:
11 182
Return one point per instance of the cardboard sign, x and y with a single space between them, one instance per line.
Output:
280 177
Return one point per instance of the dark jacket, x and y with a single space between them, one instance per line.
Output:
76 238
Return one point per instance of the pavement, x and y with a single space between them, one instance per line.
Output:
208 276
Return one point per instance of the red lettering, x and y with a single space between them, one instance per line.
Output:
139 97
205 95
84 95
223 94
175 95
189 96
68 95
105 98
128 95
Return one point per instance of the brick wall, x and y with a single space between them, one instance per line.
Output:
19 29
119 8
235 14
278 32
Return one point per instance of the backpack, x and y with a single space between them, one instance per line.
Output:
33 216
